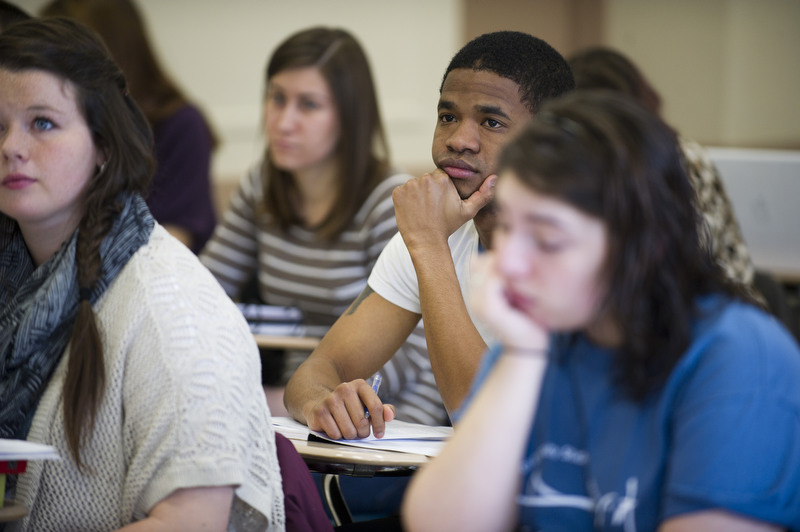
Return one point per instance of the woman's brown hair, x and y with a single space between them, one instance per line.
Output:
120 131
611 158
122 28
604 68
362 152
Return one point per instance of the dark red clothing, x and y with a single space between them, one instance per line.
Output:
304 510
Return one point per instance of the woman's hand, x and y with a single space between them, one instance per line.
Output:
512 327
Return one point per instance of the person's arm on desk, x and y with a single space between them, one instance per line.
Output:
428 210
328 391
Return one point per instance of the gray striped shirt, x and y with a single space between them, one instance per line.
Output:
322 278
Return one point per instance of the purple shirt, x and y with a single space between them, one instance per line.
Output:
180 193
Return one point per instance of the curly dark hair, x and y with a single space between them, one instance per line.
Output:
535 66
611 158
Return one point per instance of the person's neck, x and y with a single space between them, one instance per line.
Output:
44 243
484 223
317 190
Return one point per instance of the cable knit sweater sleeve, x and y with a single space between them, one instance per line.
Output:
183 406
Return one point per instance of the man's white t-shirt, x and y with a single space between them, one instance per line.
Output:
395 279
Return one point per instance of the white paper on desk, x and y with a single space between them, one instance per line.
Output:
400 436
13 450
290 427
412 446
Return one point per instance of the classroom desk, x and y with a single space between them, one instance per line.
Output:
333 459
337 459
286 342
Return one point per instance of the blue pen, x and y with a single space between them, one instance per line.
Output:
376 384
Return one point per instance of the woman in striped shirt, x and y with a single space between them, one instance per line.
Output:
310 219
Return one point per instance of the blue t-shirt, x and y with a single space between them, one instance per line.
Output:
723 432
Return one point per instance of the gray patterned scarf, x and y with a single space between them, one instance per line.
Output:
38 308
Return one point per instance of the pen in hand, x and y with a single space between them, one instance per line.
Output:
376 384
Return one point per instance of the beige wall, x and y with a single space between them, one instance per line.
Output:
567 25
727 70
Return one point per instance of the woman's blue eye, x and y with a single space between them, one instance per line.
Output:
42 124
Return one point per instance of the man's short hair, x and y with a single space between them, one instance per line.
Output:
535 66
10 14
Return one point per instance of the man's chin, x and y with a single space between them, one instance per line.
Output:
464 188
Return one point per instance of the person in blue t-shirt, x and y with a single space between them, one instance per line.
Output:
634 387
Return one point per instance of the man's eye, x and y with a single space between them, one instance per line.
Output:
447 118
493 123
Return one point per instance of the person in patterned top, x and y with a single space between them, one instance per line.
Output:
605 68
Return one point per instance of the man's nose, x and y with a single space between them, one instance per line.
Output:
464 137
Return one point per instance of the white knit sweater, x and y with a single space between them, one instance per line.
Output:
183 406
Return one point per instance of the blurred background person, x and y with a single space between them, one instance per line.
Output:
606 68
311 217
180 197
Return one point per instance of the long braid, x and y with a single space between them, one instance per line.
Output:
85 380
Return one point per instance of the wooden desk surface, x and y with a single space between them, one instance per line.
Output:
324 457
286 342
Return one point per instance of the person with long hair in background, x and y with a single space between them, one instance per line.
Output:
180 196
310 218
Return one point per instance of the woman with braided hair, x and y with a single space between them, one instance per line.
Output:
116 346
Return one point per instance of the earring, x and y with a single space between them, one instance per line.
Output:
103 167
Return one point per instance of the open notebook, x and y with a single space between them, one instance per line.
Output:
401 436
16 450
